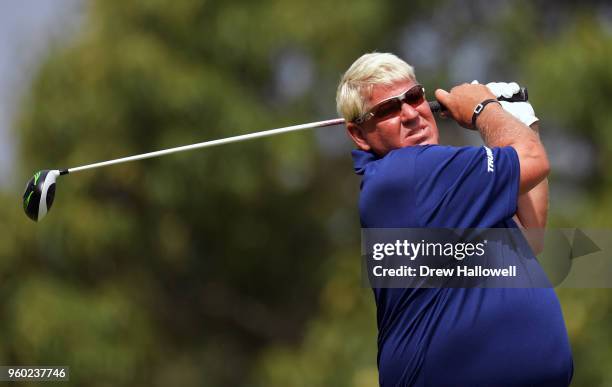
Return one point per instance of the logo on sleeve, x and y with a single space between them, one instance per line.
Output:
490 165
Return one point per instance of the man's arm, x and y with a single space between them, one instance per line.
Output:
499 128
532 211
532 208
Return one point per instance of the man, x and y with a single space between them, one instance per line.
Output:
446 336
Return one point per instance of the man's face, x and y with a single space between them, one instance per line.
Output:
412 125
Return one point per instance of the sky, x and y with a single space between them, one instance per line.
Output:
27 29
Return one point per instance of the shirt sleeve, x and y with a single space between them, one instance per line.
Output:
466 186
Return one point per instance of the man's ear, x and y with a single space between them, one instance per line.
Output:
357 133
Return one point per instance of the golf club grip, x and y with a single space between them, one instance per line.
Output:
521 96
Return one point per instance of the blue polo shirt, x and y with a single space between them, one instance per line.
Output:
452 336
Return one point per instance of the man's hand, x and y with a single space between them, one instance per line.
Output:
521 110
462 100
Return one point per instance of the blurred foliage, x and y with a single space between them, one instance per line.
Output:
238 265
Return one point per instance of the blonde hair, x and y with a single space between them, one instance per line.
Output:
368 70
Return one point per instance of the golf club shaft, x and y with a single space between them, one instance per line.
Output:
434 105
244 137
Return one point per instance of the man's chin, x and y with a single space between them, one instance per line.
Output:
423 136
424 140
429 141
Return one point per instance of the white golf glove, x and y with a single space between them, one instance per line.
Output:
521 110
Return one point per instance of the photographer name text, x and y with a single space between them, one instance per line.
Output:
459 271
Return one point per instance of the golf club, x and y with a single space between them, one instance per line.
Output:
40 189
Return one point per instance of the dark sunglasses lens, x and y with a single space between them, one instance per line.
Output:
387 108
414 96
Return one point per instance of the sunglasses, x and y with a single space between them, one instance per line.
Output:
413 97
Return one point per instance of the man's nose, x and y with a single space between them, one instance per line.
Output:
408 113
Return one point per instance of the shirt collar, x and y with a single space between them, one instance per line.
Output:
361 159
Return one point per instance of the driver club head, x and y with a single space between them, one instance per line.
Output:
39 194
